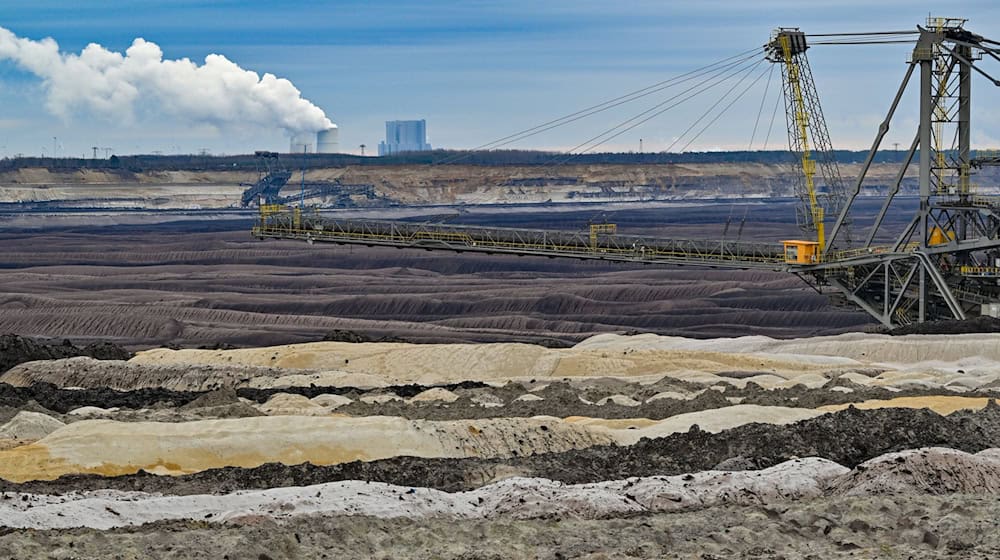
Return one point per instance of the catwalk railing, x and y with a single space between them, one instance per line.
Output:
593 244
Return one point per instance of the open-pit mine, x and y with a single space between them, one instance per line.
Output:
630 357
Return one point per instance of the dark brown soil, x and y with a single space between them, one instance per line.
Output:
560 399
563 399
65 400
16 350
968 326
62 400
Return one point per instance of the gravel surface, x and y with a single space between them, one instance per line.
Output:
957 526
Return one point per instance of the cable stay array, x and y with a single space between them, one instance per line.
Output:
699 81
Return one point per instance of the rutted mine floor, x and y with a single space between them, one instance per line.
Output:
207 282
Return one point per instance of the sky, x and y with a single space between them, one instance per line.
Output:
478 71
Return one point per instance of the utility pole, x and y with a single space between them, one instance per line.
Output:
640 145
54 143
302 190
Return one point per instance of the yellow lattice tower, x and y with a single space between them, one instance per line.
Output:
802 122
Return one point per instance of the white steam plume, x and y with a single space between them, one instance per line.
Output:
218 92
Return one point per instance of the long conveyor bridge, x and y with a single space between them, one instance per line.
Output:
896 284
600 241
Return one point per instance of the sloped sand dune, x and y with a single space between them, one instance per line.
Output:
872 348
126 376
113 448
963 360
527 498
419 362
941 404
518 498
716 420
297 435
931 471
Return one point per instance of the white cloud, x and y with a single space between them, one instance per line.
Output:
114 85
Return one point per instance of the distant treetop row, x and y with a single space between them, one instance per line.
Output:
141 163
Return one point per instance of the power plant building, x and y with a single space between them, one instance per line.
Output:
404 136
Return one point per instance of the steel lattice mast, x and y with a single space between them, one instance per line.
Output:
945 264
808 137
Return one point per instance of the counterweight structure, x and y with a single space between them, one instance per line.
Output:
944 265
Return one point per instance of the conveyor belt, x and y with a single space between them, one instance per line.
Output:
581 245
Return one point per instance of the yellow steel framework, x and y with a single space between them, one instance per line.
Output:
802 122
597 229
991 271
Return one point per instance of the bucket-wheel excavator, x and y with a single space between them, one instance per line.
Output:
945 264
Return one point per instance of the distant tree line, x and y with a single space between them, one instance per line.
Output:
144 163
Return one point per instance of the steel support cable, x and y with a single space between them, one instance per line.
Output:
617 101
860 39
724 110
713 106
582 116
872 42
742 79
774 115
909 32
760 110
977 46
748 71
648 118
969 63
656 110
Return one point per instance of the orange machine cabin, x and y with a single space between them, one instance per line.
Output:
801 252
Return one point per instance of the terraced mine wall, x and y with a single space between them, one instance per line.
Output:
52 186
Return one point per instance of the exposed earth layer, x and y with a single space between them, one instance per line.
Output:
618 446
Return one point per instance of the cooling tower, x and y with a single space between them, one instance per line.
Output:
328 141
302 143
